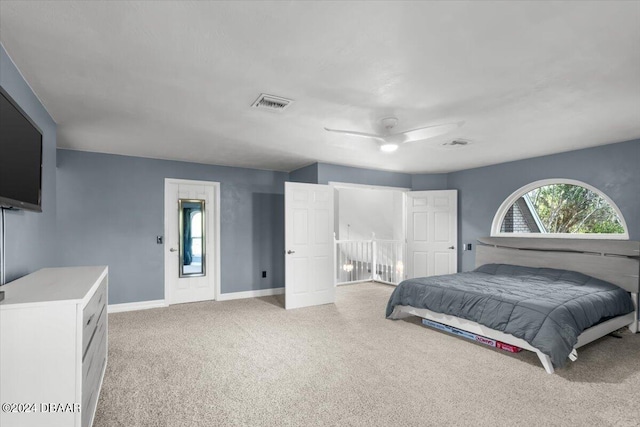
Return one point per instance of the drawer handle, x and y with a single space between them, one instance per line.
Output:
90 319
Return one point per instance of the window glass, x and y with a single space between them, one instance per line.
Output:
562 209
196 233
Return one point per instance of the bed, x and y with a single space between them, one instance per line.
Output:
549 296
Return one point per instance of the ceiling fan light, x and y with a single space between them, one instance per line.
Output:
389 147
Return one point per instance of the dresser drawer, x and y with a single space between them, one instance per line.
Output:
91 390
92 368
94 345
91 380
91 313
87 406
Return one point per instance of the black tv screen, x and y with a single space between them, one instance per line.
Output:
20 158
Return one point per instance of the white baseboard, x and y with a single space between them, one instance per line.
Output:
144 305
355 282
251 294
133 306
382 282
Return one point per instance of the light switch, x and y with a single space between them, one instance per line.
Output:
159 240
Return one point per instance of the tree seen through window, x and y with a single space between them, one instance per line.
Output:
562 208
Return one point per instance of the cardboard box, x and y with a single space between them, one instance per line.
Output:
508 347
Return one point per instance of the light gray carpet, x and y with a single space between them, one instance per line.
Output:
250 362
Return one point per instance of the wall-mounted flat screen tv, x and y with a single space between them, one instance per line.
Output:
20 157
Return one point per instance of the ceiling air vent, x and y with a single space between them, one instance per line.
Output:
270 102
457 142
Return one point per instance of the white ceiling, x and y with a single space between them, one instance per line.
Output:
175 80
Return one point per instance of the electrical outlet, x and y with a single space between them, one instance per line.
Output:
264 274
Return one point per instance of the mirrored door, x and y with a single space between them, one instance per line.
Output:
192 237
192 224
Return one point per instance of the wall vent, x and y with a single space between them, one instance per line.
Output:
270 102
457 142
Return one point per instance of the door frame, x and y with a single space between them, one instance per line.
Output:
351 186
348 185
216 232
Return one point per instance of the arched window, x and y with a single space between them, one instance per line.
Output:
559 208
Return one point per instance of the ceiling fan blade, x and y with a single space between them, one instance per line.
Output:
354 133
429 132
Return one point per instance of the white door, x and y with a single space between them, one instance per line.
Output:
432 233
309 258
198 280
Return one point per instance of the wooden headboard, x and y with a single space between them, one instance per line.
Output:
615 261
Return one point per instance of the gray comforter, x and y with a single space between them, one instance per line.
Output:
548 308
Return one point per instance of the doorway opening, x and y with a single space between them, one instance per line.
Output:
369 233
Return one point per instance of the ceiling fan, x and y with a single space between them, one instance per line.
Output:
390 142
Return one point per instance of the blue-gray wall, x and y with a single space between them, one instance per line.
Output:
111 208
614 169
30 236
307 174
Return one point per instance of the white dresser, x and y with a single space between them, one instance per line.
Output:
53 347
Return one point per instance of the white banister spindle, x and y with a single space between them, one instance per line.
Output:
369 258
374 257
385 250
357 257
385 266
362 272
335 253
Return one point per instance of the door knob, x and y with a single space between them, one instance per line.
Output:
291 252
452 247
173 250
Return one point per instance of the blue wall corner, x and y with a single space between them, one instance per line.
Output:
307 174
